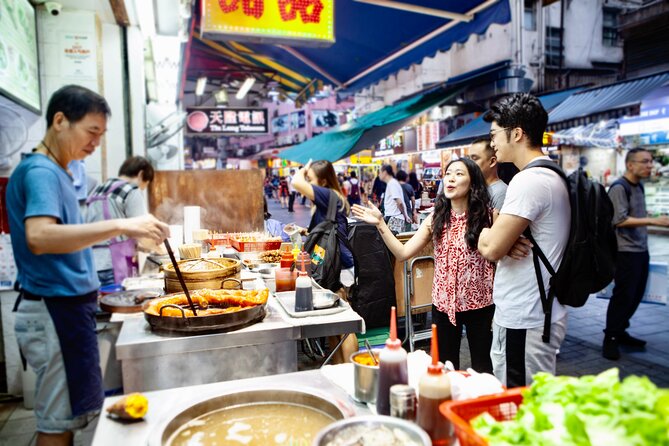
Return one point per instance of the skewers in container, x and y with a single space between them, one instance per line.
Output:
190 251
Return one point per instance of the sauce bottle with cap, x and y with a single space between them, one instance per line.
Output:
392 367
434 388
304 296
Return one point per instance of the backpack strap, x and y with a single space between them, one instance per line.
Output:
104 198
627 185
538 255
333 204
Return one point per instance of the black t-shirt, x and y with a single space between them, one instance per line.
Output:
408 193
321 200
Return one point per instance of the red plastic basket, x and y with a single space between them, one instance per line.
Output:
502 406
255 246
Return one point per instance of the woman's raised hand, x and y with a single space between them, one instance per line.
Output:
369 214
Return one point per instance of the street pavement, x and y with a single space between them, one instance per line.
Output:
580 353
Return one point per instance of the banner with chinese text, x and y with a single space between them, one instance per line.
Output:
310 21
215 121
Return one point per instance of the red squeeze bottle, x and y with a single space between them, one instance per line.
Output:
392 367
434 388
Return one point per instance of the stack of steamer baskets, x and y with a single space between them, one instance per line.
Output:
203 273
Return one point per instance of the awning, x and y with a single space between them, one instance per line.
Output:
367 130
478 128
372 41
595 134
603 103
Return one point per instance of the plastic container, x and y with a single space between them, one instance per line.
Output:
434 388
392 367
243 246
502 406
285 279
287 259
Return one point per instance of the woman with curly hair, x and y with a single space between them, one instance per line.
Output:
462 287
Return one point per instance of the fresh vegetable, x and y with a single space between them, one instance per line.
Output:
130 407
591 410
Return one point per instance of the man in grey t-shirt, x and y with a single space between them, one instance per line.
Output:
482 154
631 221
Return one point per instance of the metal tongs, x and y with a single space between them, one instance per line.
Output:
179 276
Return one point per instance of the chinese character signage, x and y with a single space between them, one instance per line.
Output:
212 121
309 21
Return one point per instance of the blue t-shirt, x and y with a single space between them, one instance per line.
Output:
40 188
321 200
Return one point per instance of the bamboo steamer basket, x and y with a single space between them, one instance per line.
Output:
213 277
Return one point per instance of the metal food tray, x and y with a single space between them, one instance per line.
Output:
287 301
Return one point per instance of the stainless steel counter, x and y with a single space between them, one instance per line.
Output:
151 361
165 404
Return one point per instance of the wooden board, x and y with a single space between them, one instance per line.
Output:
423 273
231 200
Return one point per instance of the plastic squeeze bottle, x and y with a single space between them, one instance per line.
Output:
304 296
392 367
434 388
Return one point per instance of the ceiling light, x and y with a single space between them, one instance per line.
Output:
201 84
246 86
221 96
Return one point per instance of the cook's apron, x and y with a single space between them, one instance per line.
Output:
74 320
123 252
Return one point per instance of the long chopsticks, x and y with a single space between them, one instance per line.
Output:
179 276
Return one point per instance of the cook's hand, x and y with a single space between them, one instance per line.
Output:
146 226
369 214
521 249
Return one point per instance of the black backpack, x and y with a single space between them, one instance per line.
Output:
589 259
322 244
373 291
355 190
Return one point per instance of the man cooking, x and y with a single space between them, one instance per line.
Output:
55 320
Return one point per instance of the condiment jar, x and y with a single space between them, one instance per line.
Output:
303 255
403 402
287 259
392 367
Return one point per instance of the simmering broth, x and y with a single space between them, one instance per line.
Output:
253 425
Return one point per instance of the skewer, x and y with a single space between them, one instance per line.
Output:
179 276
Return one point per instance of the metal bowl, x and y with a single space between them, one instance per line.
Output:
412 433
337 410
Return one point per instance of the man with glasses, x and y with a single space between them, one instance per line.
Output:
536 198
631 221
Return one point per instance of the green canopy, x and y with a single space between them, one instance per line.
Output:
367 130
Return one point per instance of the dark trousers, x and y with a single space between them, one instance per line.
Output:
479 336
630 284
291 201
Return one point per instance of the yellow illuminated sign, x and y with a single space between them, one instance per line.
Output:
266 20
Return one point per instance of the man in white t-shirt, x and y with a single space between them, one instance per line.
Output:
394 210
291 191
482 153
536 198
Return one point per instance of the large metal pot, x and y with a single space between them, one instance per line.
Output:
336 409
336 433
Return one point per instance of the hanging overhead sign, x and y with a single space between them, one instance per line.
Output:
308 21
218 121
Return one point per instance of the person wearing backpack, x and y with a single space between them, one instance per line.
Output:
537 198
353 196
630 221
332 260
119 197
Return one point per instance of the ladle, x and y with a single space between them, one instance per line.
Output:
371 352
179 276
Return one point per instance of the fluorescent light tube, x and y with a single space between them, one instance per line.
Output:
246 86
221 96
199 87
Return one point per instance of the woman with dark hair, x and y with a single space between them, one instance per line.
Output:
462 287
120 197
417 186
284 192
317 181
